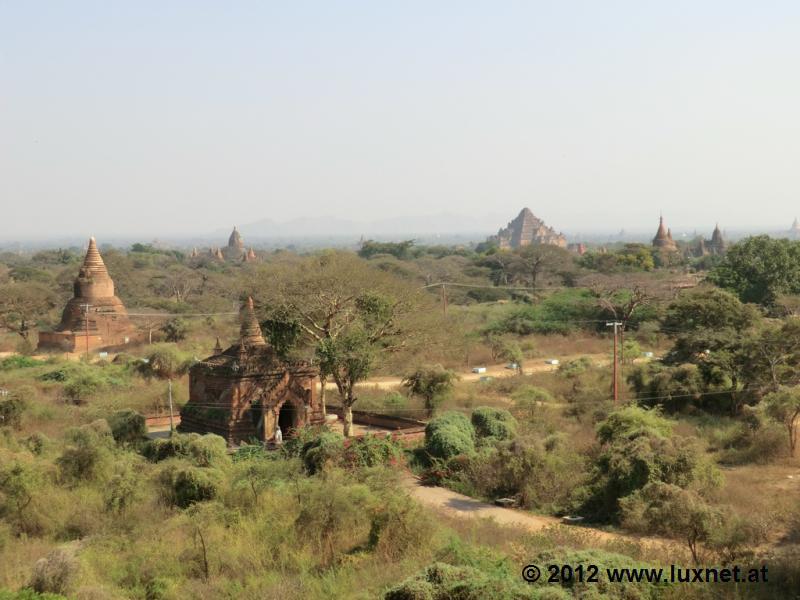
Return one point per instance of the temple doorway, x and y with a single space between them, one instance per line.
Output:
288 419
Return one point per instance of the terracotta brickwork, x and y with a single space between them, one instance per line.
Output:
94 313
526 230
243 392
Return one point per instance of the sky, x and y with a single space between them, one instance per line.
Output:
161 118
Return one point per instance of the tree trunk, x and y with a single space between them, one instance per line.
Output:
348 420
323 381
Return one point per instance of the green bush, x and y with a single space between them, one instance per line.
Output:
11 411
11 363
183 485
448 435
320 451
494 423
441 581
127 426
370 451
208 450
87 452
162 449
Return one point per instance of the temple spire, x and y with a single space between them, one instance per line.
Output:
93 263
251 334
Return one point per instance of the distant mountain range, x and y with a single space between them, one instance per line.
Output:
442 224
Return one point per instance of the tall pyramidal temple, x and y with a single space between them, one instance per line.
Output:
94 318
245 391
526 230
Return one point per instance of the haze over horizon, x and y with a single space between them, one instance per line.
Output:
183 118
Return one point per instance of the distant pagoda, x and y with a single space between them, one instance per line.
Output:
794 230
235 249
663 240
94 317
527 230
716 246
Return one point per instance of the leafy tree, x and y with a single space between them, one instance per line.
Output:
401 250
432 384
18 484
760 269
672 388
511 351
349 359
784 407
337 295
637 447
22 305
711 329
175 330
773 356
165 362
668 510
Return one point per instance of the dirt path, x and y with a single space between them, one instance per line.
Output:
460 506
499 370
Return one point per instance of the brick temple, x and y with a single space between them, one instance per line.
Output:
527 230
94 318
243 392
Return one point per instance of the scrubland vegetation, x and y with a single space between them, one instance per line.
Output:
697 463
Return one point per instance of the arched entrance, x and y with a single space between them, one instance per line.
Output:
289 419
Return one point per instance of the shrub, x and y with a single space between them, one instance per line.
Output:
441 580
36 442
175 330
370 451
55 573
317 453
11 363
637 448
86 453
208 450
448 435
127 426
494 423
183 486
527 398
11 411
162 449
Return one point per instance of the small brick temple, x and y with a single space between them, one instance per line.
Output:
243 392
94 318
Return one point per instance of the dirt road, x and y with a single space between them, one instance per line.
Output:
500 370
454 504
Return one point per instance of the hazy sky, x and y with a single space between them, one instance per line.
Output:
167 117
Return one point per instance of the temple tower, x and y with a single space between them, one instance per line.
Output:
663 240
94 317
245 391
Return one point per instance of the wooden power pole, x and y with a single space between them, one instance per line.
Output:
616 325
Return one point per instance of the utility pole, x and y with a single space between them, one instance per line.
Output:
86 308
171 426
616 325
444 299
